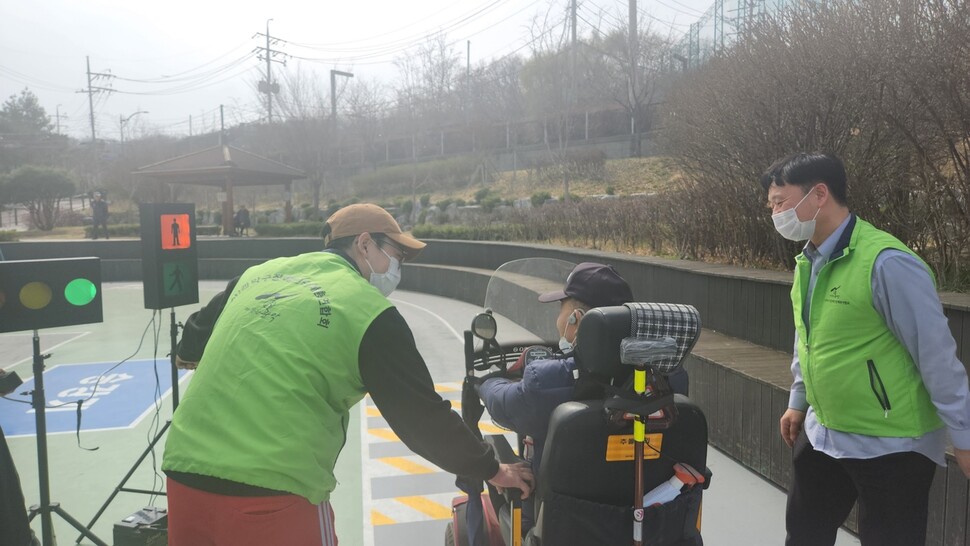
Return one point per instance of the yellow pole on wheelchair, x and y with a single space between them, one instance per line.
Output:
639 429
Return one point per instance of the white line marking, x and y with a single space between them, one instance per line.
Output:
435 315
48 349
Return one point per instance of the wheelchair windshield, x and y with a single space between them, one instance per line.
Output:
513 292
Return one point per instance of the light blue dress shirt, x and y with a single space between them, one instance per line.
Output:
903 293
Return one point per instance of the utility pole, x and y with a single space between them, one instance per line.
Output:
634 62
222 125
268 86
570 104
57 114
91 90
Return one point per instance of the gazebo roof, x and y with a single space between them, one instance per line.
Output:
214 166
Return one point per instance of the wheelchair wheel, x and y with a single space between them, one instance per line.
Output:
457 535
450 535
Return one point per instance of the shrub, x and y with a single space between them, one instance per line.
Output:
119 230
8 235
540 197
499 232
482 194
489 204
298 229
426 200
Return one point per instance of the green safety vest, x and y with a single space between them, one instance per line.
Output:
269 403
859 377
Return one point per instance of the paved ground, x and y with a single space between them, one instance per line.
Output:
387 496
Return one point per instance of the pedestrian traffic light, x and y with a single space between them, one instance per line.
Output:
170 264
36 294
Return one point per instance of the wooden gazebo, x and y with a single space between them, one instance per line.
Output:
225 167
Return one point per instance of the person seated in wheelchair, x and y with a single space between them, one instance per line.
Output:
525 405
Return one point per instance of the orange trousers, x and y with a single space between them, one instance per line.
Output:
200 518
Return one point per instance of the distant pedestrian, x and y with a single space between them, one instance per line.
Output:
241 221
99 208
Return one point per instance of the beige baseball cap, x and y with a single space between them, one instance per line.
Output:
353 220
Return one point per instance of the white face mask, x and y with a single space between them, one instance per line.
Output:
790 227
564 345
386 282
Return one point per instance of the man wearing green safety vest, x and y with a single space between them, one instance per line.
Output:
877 383
298 342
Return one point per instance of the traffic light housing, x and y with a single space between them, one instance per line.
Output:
169 258
37 294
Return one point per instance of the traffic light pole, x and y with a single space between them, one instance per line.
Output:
39 402
173 332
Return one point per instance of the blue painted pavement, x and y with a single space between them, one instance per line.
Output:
111 399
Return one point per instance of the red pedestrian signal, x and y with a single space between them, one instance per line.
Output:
170 264
176 231
37 294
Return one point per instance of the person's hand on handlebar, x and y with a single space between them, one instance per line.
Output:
518 475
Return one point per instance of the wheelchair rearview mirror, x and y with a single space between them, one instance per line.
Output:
484 326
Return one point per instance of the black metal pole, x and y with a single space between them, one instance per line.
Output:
40 418
174 332
39 402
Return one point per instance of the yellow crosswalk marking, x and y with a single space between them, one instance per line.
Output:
408 466
438 387
491 429
377 518
373 412
384 434
426 506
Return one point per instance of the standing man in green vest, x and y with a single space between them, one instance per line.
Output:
877 383
282 356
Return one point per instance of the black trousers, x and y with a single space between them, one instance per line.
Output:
96 228
892 490
14 529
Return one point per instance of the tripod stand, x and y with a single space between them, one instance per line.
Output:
173 332
46 507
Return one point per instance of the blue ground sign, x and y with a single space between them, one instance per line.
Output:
117 400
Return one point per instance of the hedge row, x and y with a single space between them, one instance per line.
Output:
493 232
299 229
134 230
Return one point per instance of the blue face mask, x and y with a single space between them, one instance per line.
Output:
386 282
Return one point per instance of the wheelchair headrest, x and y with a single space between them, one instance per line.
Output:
674 328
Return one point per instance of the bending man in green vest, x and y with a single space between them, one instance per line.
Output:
298 342
877 383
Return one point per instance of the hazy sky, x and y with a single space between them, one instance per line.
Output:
180 58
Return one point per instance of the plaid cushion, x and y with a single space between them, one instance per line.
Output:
656 321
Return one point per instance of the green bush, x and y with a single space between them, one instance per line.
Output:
118 230
426 200
501 232
208 230
444 203
540 197
8 235
482 194
489 204
299 229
